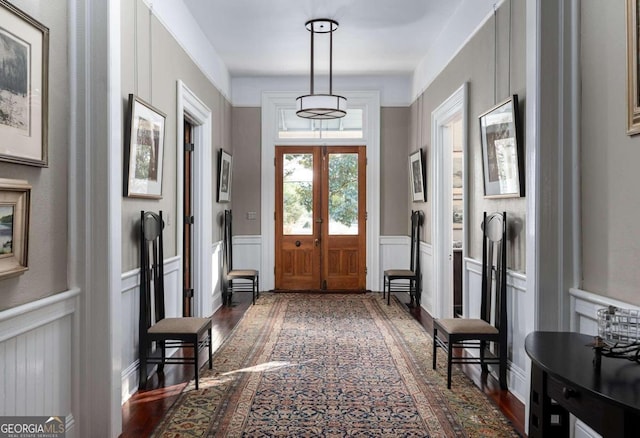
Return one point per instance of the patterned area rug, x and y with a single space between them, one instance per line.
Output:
311 365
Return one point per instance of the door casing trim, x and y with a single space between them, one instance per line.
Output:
191 108
453 107
271 103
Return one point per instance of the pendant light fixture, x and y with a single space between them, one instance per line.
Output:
321 106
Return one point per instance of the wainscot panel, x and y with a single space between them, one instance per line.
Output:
247 251
36 344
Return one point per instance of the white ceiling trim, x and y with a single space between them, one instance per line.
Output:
174 16
462 26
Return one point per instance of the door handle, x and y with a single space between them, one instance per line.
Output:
298 243
316 242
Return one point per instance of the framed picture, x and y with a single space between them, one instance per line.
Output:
457 173
15 200
417 177
24 73
501 154
224 176
144 149
457 208
633 88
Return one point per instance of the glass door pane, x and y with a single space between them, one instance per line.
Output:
343 194
297 194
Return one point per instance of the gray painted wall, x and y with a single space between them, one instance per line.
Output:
609 158
475 64
246 141
151 70
48 228
394 179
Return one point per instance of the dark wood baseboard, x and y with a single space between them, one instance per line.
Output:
146 408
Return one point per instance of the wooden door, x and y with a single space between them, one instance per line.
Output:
187 232
320 218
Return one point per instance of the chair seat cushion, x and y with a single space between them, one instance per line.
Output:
242 273
180 325
466 325
399 273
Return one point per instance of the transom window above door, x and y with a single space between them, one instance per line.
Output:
290 126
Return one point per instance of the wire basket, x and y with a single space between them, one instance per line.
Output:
619 327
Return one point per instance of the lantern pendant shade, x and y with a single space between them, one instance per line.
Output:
321 106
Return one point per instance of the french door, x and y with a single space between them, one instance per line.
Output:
320 218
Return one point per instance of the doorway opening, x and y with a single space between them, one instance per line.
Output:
457 211
320 218
449 139
187 230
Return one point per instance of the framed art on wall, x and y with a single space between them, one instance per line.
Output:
633 88
501 154
144 150
224 176
24 72
417 177
15 202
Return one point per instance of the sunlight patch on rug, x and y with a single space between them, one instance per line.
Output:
330 365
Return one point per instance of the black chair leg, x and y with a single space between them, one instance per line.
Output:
449 357
388 284
503 370
435 346
210 349
163 356
195 360
143 370
483 365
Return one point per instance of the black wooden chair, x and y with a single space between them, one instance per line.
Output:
455 334
181 332
407 280
236 280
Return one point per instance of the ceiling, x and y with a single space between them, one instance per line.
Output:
268 37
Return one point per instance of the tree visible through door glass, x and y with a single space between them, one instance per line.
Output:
343 194
297 194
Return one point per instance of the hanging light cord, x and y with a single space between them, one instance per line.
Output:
311 76
151 53
510 18
135 48
495 53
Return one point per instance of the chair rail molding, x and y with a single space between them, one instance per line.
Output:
584 306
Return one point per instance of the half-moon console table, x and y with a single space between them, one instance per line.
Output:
608 400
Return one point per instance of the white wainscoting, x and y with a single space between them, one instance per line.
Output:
213 300
395 252
37 340
427 264
583 319
517 377
584 307
247 252
130 317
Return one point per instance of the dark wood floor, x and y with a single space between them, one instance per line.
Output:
146 408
